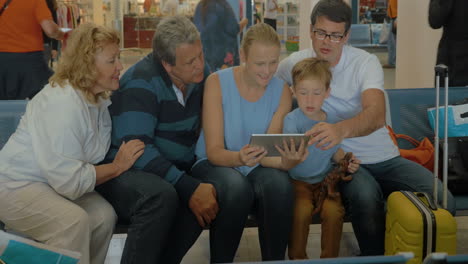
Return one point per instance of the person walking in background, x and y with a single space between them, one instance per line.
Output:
218 28
50 44
50 166
453 46
392 14
271 13
23 71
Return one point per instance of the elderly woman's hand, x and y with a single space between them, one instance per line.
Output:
128 153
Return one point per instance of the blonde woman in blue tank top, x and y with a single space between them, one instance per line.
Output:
239 102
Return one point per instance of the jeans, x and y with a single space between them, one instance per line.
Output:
234 197
273 207
363 197
266 190
148 204
391 47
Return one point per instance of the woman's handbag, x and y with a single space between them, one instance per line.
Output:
422 153
384 33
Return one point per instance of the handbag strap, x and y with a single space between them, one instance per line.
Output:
395 136
408 138
5 6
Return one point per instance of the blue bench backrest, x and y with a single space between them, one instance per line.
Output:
408 109
408 112
365 35
360 35
11 112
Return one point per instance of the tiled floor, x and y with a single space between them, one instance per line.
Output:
249 248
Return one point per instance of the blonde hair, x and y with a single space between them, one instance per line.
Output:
77 61
261 32
312 68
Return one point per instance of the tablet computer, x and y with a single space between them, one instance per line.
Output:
268 141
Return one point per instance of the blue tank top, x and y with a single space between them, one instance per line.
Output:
241 117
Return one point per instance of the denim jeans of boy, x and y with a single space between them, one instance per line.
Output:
364 196
148 204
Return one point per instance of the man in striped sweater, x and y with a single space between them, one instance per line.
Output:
159 102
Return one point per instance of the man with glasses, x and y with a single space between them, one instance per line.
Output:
357 107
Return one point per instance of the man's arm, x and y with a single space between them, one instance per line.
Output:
134 116
370 118
51 29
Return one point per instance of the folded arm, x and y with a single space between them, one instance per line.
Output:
134 116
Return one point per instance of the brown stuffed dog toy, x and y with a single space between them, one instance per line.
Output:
328 187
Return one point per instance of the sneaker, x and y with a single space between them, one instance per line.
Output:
388 66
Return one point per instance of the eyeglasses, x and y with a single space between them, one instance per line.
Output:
321 35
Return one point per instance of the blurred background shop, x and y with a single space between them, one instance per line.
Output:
415 52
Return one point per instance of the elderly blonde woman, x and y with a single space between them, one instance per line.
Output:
48 168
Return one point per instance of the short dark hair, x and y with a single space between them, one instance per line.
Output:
335 10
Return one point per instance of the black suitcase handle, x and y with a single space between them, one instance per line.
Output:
441 70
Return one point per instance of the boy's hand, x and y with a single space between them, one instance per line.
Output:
353 164
325 135
251 156
290 158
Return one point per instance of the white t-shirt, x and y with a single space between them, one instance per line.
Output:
270 4
58 139
356 72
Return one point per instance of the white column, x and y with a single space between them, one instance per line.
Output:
416 45
98 16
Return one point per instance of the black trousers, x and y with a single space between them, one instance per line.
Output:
22 75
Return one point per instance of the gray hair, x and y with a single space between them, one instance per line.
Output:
335 10
170 33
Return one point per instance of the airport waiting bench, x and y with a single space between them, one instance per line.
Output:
406 113
407 109
366 36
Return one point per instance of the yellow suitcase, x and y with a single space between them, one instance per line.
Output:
415 224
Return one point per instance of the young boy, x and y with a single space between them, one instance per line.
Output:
311 85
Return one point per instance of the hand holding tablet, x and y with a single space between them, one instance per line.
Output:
268 142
